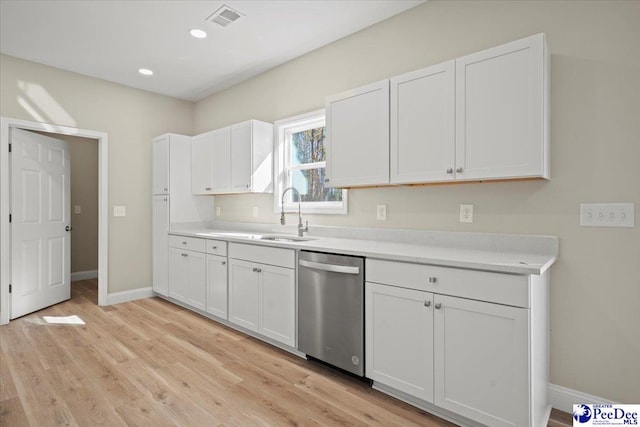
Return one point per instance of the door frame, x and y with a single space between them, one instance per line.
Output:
6 124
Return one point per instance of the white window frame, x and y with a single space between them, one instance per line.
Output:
282 129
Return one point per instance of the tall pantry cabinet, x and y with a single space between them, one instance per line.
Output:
173 201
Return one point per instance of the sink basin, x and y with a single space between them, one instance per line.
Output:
285 238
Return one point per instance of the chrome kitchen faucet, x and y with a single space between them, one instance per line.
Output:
301 229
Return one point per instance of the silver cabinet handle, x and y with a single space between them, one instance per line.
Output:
248 185
224 262
326 180
438 305
214 247
427 303
184 243
184 254
166 189
257 270
165 199
330 267
450 170
459 170
207 189
433 279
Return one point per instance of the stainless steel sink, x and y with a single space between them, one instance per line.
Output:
285 238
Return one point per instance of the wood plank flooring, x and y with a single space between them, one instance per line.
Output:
152 363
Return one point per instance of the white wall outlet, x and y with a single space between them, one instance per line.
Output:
119 211
607 215
381 212
466 213
254 212
218 211
77 209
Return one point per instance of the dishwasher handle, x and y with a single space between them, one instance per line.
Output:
345 269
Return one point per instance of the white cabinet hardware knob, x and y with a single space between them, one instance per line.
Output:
438 306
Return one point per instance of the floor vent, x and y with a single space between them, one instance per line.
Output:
224 16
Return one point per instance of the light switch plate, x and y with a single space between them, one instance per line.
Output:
466 213
218 210
381 212
254 212
607 215
119 211
77 209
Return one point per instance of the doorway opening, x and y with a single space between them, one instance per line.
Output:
6 124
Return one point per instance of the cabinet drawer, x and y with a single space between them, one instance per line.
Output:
263 254
479 285
217 247
188 243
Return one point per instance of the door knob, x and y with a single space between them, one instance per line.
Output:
67 228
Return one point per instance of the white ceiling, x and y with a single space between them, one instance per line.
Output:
111 40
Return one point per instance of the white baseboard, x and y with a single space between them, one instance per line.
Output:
84 275
563 398
132 295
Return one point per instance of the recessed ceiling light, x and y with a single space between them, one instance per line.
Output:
198 33
145 72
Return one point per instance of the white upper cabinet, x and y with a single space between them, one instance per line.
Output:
483 116
252 157
160 165
502 97
357 124
210 162
233 159
423 125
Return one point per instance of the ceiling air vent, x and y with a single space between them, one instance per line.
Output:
224 16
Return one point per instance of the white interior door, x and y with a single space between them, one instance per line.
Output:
40 223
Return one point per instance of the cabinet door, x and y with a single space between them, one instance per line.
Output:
195 287
217 285
160 165
358 136
481 360
277 303
201 164
399 339
220 161
160 244
422 125
244 294
241 139
500 112
178 265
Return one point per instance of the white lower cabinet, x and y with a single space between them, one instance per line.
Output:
277 303
244 294
217 285
399 338
475 359
187 277
262 296
481 360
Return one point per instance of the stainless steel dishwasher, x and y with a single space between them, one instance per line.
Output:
331 309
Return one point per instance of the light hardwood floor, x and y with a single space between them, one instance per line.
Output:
152 363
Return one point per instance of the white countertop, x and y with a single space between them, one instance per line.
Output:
523 255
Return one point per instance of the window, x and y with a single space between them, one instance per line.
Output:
300 163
